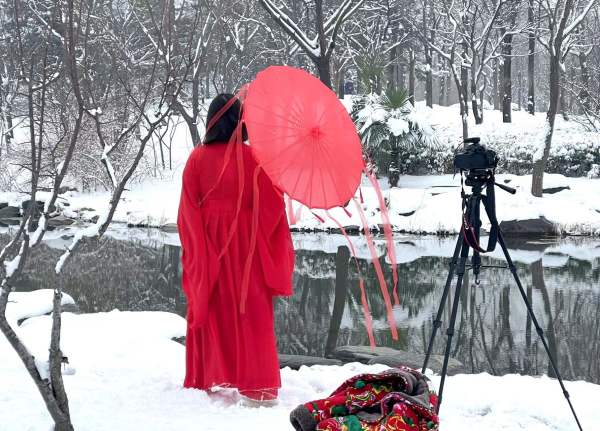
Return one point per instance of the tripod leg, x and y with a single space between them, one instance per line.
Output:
464 254
538 328
438 318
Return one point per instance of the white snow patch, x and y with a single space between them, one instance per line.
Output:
129 376
24 305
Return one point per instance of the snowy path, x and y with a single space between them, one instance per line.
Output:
125 374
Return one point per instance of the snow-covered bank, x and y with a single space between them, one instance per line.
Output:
426 204
126 374
421 204
432 204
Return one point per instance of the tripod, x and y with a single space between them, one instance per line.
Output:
468 238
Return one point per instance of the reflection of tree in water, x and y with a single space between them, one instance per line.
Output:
494 333
500 338
125 275
303 321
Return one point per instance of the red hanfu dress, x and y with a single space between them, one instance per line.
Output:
225 345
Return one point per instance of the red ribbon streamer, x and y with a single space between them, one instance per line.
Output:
250 257
387 230
378 271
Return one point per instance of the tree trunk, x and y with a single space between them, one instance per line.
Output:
191 123
539 165
477 114
531 60
193 126
55 363
322 61
462 102
342 259
392 70
481 98
400 66
394 169
537 279
507 78
442 81
448 90
207 84
564 108
341 83
428 52
464 87
520 84
324 71
496 97
61 421
527 365
584 94
429 84
442 94
411 77
9 136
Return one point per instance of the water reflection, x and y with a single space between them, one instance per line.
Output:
494 333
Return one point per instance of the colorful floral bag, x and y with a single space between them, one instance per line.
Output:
399 399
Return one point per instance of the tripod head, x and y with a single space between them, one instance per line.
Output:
477 166
480 178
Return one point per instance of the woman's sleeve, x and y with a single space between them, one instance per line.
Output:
197 272
277 250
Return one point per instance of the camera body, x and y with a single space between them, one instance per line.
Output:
475 157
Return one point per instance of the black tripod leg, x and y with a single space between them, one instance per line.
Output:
538 328
438 317
464 255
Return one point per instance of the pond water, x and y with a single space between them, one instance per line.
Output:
139 270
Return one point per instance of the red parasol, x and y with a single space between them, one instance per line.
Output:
303 137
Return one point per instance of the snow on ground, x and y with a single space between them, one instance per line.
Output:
22 305
425 204
432 204
525 131
126 374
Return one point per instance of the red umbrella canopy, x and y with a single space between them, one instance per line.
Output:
303 137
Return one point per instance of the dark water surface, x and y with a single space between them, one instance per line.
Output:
139 270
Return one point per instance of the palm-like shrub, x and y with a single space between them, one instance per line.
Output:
387 125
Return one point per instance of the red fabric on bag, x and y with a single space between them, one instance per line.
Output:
223 346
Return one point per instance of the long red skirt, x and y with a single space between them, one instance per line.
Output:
225 346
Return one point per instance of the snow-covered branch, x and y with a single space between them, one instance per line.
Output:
578 20
291 28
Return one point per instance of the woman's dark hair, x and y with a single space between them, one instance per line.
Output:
222 130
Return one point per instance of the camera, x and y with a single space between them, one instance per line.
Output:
475 156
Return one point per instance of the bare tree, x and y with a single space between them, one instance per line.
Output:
531 36
563 18
320 47
467 46
372 40
68 77
508 23
430 22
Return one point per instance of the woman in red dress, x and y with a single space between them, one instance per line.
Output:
230 337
